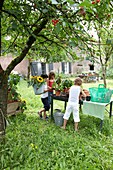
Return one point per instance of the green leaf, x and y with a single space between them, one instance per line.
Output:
73 44
71 2
45 10
86 3
57 28
108 42
14 25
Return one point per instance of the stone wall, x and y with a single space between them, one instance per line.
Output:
21 68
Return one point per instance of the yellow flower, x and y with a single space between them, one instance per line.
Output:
36 81
32 77
32 145
40 79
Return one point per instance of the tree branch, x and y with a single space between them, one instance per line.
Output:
11 43
21 22
1 4
29 43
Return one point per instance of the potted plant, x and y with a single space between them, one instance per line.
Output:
58 89
36 82
58 80
14 102
67 83
57 86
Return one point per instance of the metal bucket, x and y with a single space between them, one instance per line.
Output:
58 117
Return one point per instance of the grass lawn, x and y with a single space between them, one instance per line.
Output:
34 144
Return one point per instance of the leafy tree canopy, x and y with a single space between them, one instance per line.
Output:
54 25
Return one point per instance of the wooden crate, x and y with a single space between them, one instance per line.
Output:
12 107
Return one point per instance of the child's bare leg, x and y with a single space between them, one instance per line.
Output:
76 126
40 112
64 125
45 114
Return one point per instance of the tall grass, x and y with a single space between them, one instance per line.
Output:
34 144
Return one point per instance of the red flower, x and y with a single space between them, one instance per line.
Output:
55 21
93 2
97 1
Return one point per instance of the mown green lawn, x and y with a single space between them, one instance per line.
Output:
34 144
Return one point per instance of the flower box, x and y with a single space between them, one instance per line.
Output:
12 107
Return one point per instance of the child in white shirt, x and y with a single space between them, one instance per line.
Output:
44 98
73 103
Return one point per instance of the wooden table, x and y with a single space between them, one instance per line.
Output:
61 98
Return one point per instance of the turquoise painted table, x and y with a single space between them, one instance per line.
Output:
97 110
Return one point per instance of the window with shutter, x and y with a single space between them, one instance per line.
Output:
63 67
50 66
91 67
43 68
70 69
36 68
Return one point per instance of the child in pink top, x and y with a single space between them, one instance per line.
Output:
50 82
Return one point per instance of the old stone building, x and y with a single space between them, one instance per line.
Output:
37 67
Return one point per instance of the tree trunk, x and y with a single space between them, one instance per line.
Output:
2 125
3 101
104 76
1 5
28 75
104 80
101 61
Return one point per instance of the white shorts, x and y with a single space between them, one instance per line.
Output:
72 108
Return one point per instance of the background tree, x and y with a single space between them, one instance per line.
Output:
49 26
100 44
101 49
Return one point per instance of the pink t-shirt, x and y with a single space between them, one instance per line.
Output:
50 84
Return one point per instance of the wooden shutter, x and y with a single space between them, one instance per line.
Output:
70 69
63 69
43 68
36 69
50 66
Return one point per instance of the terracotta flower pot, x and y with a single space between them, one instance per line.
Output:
57 92
66 90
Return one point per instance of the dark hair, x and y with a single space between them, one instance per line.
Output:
78 81
44 76
51 74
